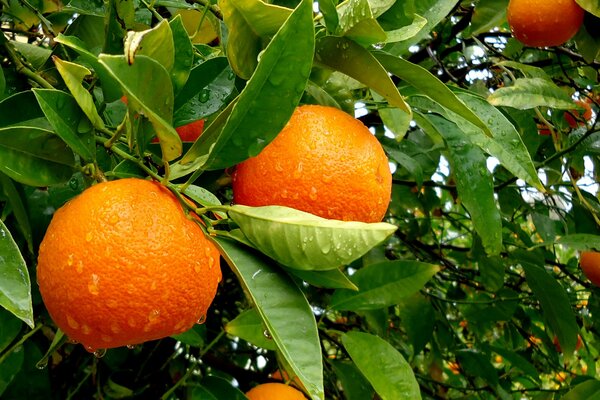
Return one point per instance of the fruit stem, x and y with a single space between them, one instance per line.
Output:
129 157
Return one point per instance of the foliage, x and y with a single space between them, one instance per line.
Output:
458 294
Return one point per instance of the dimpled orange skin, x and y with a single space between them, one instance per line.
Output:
541 23
274 391
324 162
121 264
590 265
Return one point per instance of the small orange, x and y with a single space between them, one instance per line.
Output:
324 162
590 265
541 23
122 264
188 132
274 391
576 118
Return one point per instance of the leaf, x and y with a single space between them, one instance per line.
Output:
73 74
487 15
586 390
527 93
383 284
64 114
382 365
213 387
555 305
476 364
354 384
36 56
474 184
331 278
184 56
34 156
17 205
249 21
346 56
269 98
195 336
142 95
278 301
156 43
21 109
9 329
580 241
357 22
429 85
406 32
518 361
248 325
591 6
10 368
417 317
15 286
305 241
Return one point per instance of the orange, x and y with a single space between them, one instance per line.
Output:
122 264
324 162
590 265
188 132
274 391
576 118
541 23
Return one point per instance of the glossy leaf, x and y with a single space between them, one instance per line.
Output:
591 6
474 184
580 241
487 15
344 55
249 21
156 43
17 204
22 109
278 301
142 95
65 116
555 305
429 85
269 98
73 74
383 366
184 56
406 32
10 368
357 22
248 325
354 384
305 241
36 56
384 284
15 286
589 389
34 156
527 93
213 387
9 329
331 278
195 336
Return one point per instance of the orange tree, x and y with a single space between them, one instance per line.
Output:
469 288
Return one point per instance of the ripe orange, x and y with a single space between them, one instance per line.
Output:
122 264
576 118
590 265
188 132
324 162
541 23
274 391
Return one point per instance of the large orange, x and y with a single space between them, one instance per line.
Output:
274 391
122 264
541 23
590 265
324 162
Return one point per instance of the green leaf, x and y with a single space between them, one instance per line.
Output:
34 156
195 336
382 365
305 241
487 15
555 305
110 86
15 286
35 55
527 93
429 85
213 387
354 384
9 328
142 95
65 116
518 361
156 43
73 74
331 278
357 22
249 21
346 56
17 204
21 109
591 6
2 84
417 317
580 241
474 363
586 390
384 284
474 184
269 98
278 301
184 56
330 14
406 32
10 368
248 325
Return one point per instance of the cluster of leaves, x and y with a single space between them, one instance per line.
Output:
464 298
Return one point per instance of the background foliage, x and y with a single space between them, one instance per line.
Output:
494 194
